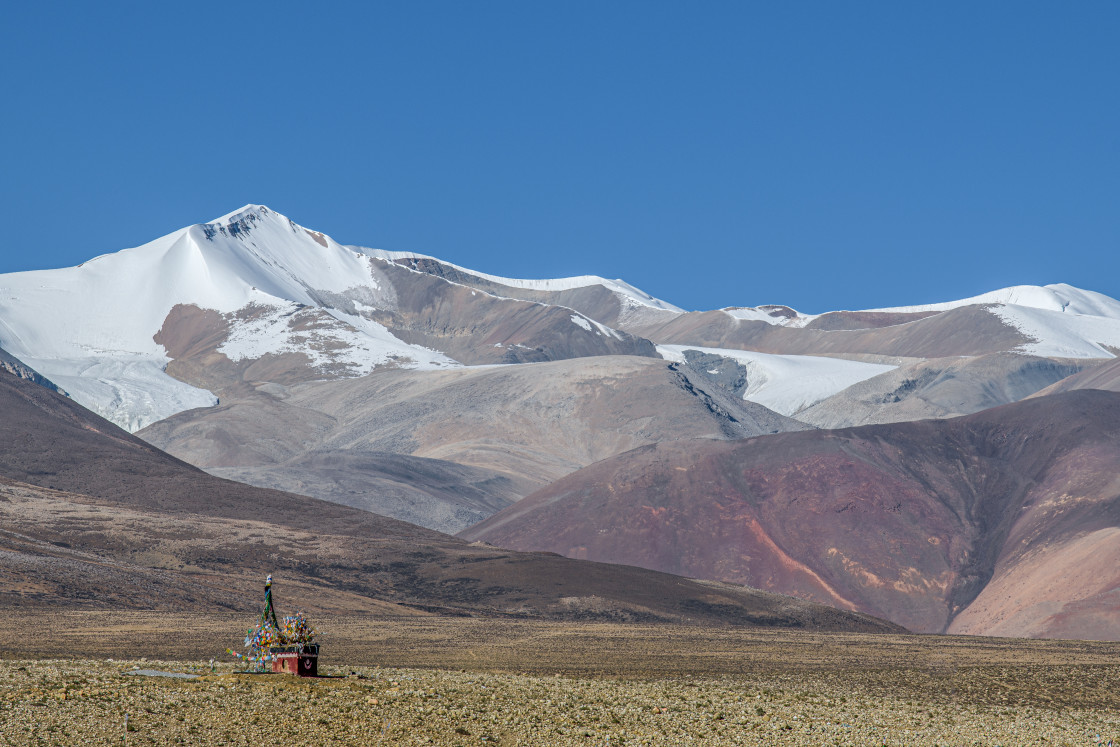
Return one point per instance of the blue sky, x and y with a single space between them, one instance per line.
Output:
821 155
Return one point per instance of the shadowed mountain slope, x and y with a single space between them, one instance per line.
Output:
1105 376
937 525
434 493
93 517
53 442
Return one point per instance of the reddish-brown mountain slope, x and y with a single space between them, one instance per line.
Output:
916 522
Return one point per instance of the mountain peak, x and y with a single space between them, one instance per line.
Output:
241 222
244 212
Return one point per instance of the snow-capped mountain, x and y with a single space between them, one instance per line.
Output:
368 377
254 296
1058 297
1054 322
264 288
90 328
1060 320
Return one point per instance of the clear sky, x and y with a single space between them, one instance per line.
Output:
822 155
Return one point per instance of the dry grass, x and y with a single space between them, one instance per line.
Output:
472 681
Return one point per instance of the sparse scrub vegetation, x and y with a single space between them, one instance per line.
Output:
474 681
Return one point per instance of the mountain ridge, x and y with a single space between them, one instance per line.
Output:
330 310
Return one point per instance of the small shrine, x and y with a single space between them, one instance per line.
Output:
286 646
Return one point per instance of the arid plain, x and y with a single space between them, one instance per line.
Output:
441 681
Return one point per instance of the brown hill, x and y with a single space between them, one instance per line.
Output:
93 517
1003 521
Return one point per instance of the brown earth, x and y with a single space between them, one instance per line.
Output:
912 522
92 517
837 320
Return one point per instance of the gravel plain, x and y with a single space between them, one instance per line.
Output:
540 683
85 702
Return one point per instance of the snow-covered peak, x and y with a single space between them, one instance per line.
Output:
90 328
1058 297
1060 320
244 212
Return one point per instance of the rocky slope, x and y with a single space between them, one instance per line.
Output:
1053 321
941 388
510 430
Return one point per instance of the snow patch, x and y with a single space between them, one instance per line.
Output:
333 342
1062 335
787 384
579 321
